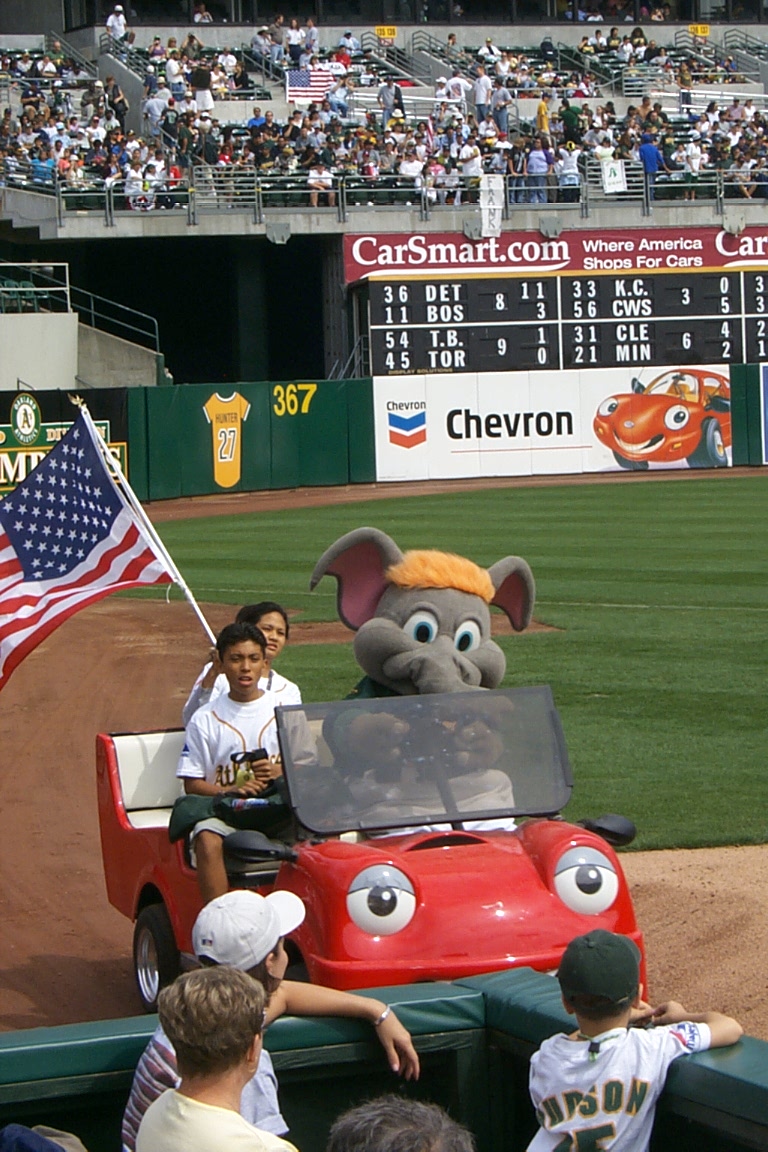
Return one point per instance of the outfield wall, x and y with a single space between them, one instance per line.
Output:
193 440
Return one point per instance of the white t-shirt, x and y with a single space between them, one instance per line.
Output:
693 158
471 164
222 727
116 25
284 691
482 88
173 72
175 1123
412 168
613 1093
134 182
457 88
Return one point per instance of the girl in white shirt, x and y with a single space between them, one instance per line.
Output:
272 620
294 39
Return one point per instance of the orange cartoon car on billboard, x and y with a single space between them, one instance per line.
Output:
684 414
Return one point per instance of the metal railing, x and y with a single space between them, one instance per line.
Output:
397 59
738 39
607 70
47 288
638 80
262 196
711 186
256 64
423 41
363 101
136 61
699 99
357 363
71 52
116 319
393 60
133 59
270 70
22 288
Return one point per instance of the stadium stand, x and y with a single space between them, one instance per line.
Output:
63 132
232 157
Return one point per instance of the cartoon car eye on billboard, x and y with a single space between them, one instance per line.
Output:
684 414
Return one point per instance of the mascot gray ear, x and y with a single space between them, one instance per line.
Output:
358 561
515 590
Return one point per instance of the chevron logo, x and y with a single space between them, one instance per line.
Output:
407 431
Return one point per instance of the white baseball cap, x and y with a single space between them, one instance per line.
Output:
241 928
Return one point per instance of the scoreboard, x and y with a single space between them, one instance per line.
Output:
467 324
509 354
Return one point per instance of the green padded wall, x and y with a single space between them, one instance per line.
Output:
244 437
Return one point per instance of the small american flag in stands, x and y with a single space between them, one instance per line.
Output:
307 84
67 538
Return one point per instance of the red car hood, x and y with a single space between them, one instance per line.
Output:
483 901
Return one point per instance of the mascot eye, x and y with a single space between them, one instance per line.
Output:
676 417
467 636
608 407
422 627
586 881
381 900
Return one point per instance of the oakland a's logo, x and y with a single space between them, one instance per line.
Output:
25 418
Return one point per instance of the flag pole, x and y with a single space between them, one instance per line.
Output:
133 500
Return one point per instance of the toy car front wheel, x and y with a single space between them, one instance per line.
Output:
156 959
631 465
711 450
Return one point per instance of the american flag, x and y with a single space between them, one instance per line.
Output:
67 538
307 84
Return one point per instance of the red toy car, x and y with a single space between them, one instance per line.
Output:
681 415
404 841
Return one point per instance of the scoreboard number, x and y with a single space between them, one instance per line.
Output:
482 324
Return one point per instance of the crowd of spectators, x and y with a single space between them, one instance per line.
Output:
631 50
500 111
274 48
731 140
683 152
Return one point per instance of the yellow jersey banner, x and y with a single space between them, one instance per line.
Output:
226 415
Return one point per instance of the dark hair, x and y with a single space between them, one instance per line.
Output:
236 633
252 613
259 972
396 1124
599 1007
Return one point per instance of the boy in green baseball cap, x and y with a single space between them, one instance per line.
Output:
606 1076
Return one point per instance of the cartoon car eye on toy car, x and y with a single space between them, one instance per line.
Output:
681 415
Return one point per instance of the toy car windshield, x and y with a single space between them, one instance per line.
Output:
401 761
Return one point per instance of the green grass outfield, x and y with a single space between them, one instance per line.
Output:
659 592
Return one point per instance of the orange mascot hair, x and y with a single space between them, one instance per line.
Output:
431 569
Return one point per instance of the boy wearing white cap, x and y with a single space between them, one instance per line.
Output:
246 930
598 1086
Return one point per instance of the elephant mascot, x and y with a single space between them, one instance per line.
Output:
422 619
